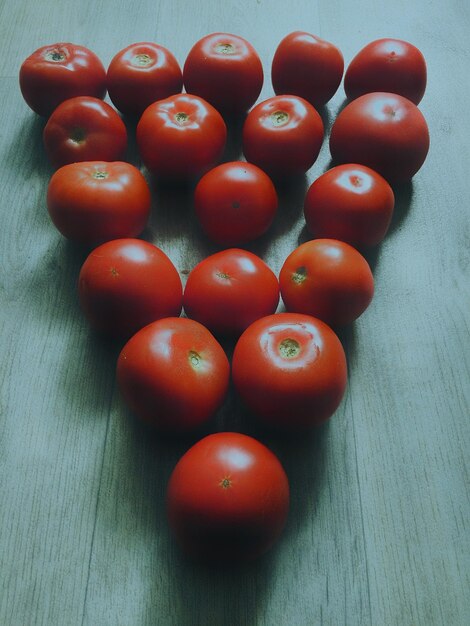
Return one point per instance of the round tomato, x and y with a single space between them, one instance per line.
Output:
125 284
84 129
227 499
328 279
173 374
229 290
226 71
95 201
383 131
182 136
283 135
235 202
290 370
351 203
305 65
58 72
141 74
389 65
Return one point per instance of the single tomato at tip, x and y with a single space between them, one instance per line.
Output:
126 284
235 202
173 374
229 290
290 370
351 203
227 499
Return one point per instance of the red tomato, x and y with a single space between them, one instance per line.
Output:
290 370
389 65
58 72
229 290
173 374
383 131
226 71
351 203
305 65
95 201
141 74
283 135
182 136
125 284
227 498
328 279
235 203
84 129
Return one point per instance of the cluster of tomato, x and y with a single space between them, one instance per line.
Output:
228 496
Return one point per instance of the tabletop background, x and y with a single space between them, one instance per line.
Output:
378 527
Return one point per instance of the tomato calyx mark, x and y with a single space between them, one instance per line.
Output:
100 174
289 348
141 60
223 275
181 118
299 275
226 482
225 48
55 56
279 118
194 359
78 135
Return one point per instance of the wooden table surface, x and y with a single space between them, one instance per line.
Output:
378 531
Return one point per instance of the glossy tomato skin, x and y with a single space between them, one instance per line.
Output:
226 71
283 136
290 370
390 65
227 499
181 137
351 203
96 201
307 66
328 279
84 129
58 72
235 203
141 74
173 374
126 284
229 290
383 131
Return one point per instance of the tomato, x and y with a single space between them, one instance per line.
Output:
227 499
141 74
383 131
125 284
235 202
182 136
95 201
229 290
390 65
351 203
58 72
84 129
226 71
283 135
328 279
305 65
173 374
290 370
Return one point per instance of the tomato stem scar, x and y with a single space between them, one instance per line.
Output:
78 135
141 60
225 48
289 348
225 483
279 118
299 275
100 174
55 56
194 359
181 118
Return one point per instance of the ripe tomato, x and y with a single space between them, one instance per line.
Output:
351 203
182 136
94 201
235 203
328 279
227 498
290 370
226 71
58 72
283 135
383 131
305 65
84 129
173 374
389 65
141 74
229 290
125 284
